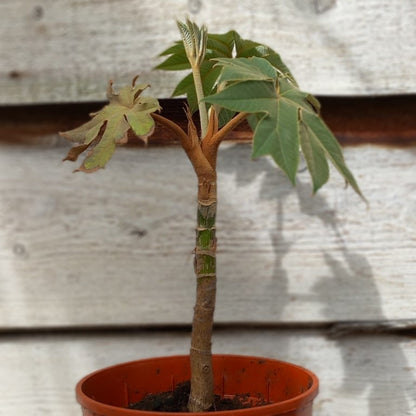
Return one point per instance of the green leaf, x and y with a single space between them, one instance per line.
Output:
177 47
245 69
285 120
249 96
314 156
225 116
303 99
320 139
222 44
109 126
277 135
176 62
276 132
248 48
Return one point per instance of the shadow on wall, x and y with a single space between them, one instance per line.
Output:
350 278
346 290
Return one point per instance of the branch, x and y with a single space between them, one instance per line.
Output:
211 143
182 136
206 173
192 147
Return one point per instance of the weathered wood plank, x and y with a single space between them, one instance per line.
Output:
73 248
66 50
360 375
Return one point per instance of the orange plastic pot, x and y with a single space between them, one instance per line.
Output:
290 389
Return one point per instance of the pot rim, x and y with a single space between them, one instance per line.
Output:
296 402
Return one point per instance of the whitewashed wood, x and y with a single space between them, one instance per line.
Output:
115 247
67 50
360 376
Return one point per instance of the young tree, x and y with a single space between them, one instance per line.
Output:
231 79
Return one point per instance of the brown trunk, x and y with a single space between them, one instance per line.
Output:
203 156
202 384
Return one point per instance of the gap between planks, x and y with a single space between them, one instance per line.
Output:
354 120
404 327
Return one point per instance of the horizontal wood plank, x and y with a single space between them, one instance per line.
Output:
67 50
359 375
115 247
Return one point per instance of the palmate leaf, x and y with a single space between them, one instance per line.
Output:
109 126
284 120
275 130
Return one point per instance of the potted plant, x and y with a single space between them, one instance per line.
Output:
231 80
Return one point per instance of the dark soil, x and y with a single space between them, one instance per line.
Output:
177 400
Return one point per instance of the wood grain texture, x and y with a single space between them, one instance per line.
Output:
67 50
359 375
115 247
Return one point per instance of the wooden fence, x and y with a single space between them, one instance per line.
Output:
97 269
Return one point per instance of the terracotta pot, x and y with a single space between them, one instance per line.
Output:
289 388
